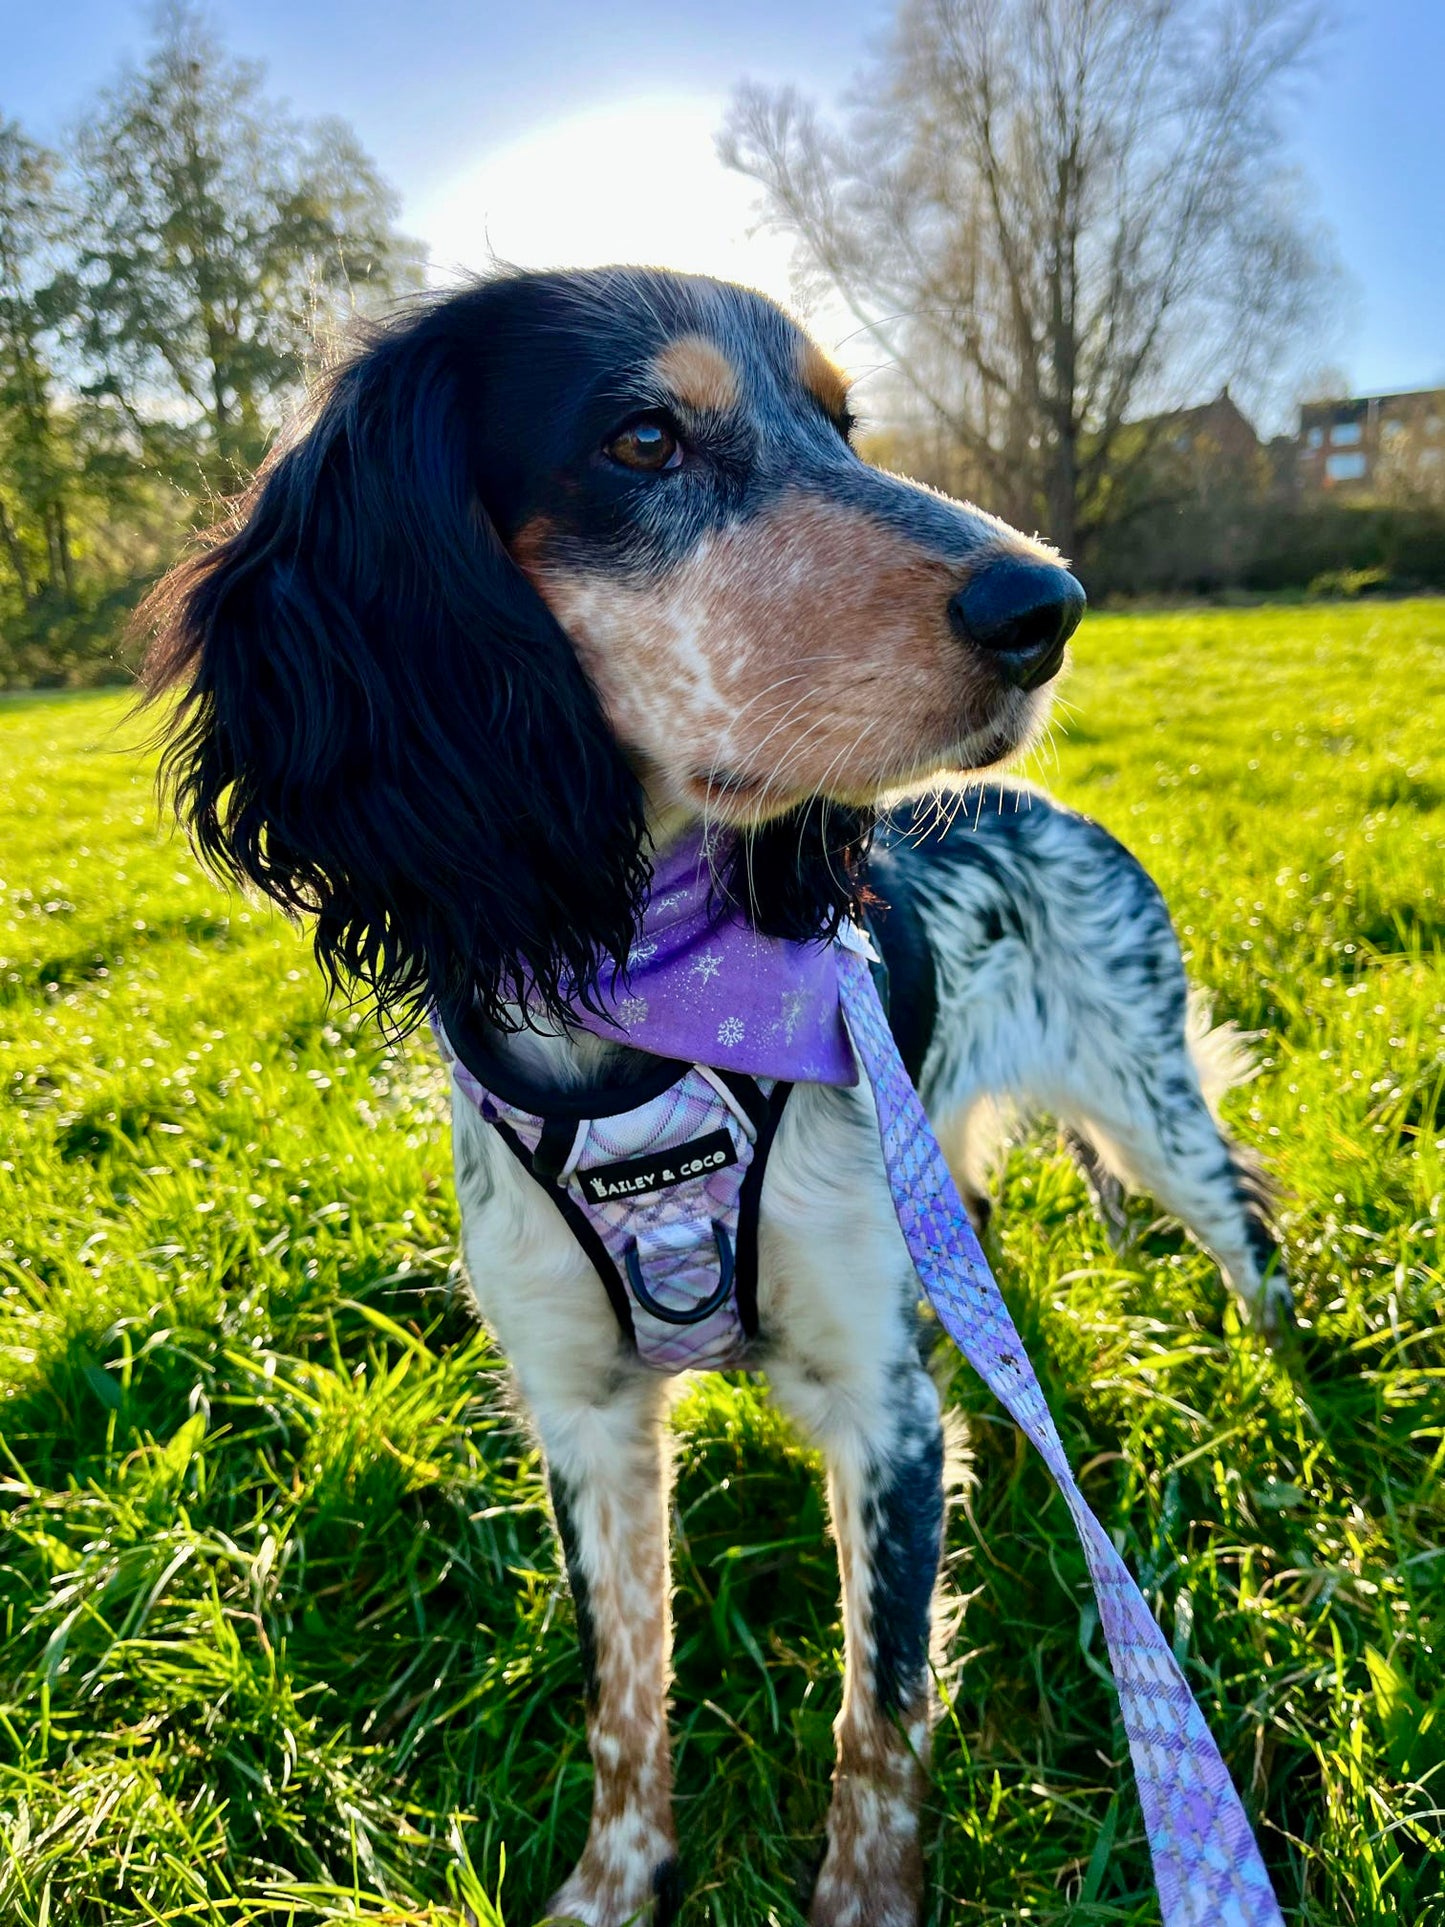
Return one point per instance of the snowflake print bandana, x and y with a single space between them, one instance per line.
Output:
701 985
691 994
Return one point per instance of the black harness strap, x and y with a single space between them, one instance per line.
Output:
553 1145
749 1204
578 1224
745 1090
909 990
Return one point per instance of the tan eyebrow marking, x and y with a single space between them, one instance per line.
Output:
699 374
823 378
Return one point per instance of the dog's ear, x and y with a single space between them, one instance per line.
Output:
382 726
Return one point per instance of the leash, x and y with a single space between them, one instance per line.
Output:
1207 1866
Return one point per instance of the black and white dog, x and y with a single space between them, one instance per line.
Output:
558 568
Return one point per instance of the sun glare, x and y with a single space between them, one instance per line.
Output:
636 181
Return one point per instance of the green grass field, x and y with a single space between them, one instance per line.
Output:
284 1634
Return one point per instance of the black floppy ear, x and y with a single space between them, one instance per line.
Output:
382 725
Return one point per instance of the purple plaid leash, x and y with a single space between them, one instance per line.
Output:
1206 1863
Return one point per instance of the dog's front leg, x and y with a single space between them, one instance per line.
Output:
879 1427
608 1466
886 1498
601 1418
838 1306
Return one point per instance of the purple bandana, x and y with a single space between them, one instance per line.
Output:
701 985
706 989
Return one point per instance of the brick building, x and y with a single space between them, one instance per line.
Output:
1218 428
1341 443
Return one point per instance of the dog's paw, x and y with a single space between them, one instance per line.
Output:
1271 1311
843 1903
872 1873
620 1897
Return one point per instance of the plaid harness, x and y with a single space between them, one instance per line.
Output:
661 1191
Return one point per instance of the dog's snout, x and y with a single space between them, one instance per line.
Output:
1022 613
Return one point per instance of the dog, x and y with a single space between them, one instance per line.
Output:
558 569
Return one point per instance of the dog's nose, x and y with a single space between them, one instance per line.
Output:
1022 613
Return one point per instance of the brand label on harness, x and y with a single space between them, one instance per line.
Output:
630 1176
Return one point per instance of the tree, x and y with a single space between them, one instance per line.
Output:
219 237
80 517
1054 216
36 469
1410 472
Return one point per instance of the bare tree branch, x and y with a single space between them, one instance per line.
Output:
1052 216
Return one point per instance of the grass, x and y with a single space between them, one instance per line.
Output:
284 1639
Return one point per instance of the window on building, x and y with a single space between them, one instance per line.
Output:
1344 468
1315 437
1391 433
1345 434
1433 424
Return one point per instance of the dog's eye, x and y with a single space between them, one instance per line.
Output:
647 444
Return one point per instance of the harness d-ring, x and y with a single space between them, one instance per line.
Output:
698 1312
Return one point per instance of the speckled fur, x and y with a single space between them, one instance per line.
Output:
805 649
1061 992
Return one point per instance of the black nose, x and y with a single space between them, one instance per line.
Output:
1022 613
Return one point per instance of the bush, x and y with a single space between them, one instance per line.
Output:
1300 545
1243 540
1345 584
69 643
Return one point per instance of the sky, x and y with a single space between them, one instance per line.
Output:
572 131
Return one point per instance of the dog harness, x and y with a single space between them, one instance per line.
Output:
660 1190
700 977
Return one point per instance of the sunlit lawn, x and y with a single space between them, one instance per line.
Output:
284 1637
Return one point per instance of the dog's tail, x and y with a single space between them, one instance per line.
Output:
1225 1058
1224 1055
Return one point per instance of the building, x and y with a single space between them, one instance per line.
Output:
1184 502
1217 428
1342 444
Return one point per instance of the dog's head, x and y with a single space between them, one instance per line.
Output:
555 561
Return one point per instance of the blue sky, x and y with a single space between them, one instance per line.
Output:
467 105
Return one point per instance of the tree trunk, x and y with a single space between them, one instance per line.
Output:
1061 494
17 557
220 413
63 556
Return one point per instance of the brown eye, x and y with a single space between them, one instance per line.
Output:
648 445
